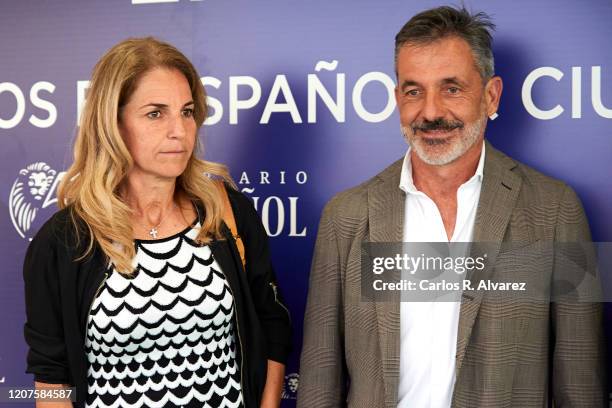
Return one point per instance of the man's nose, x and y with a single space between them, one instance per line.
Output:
433 107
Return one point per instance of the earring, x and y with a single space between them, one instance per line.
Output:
493 116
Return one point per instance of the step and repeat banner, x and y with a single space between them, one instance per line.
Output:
302 107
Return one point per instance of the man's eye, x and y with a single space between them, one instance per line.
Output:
154 114
453 90
412 92
188 113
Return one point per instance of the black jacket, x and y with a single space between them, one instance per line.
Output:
59 292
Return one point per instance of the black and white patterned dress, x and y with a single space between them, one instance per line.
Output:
165 338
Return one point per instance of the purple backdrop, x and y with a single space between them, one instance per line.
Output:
301 109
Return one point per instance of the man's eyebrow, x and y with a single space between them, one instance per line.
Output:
408 83
453 81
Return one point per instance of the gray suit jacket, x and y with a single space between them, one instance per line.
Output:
508 354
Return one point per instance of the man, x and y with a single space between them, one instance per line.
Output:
451 186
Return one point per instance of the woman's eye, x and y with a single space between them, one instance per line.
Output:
188 113
154 114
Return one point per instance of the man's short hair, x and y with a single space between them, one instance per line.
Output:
437 23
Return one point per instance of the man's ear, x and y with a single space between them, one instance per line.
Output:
493 91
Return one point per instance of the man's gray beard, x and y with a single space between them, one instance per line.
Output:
455 148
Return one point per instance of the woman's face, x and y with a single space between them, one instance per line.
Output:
157 124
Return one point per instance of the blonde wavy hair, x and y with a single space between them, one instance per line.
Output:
90 188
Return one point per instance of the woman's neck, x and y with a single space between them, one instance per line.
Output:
150 199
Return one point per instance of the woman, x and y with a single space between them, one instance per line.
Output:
136 292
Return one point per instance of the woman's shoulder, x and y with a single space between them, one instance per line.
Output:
238 199
54 239
245 214
63 227
243 207
247 218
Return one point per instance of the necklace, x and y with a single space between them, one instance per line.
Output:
153 231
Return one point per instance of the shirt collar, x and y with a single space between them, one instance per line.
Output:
407 182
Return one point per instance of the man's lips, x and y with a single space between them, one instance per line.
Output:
437 132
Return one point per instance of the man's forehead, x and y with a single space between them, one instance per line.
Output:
448 57
448 42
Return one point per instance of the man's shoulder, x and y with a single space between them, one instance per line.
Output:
534 183
537 179
353 201
543 199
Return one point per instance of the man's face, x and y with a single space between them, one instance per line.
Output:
441 98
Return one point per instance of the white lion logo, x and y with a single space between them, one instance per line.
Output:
290 386
39 183
24 202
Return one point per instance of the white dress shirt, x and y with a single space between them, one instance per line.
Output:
428 331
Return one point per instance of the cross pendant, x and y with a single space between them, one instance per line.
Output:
153 233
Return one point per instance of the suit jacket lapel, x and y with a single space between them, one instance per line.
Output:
500 189
386 221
